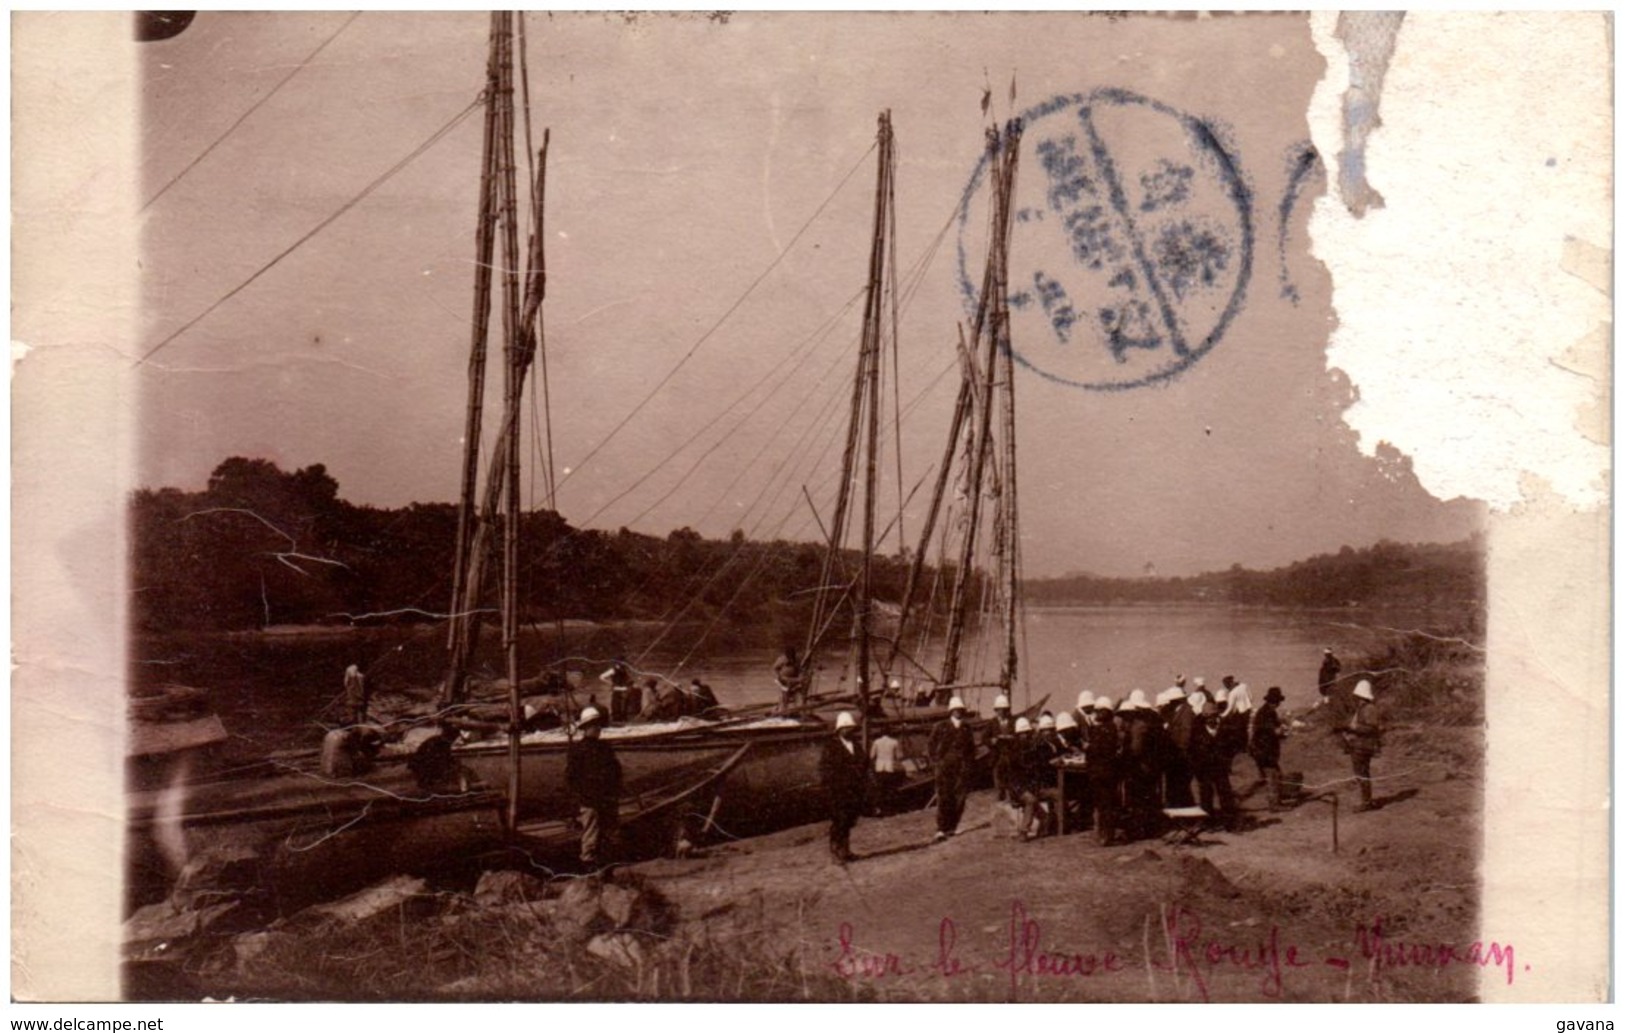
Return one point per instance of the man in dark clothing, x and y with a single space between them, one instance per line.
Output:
1210 765
703 699
1329 669
1003 738
1177 763
664 703
1362 738
1102 749
1264 743
953 753
1140 753
619 679
843 770
593 776
1026 777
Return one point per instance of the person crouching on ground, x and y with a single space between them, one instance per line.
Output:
1023 779
843 770
1362 738
953 753
592 776
1264 735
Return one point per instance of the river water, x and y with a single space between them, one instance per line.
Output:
1114 649
275 691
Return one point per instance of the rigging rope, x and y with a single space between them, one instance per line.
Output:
805 349
366 191
716 325
176 178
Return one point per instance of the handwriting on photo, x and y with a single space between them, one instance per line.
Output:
1186 950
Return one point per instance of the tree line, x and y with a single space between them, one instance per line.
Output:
1387 573
261 546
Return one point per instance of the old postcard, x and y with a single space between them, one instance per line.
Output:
868 507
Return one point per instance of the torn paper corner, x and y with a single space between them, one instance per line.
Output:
1469 305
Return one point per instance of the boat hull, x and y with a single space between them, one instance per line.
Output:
293 838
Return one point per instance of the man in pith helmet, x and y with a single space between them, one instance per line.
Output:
1067 730
593 776
1140 767
1362 738
953 753
844 773
1102 749
1027 776
1003 732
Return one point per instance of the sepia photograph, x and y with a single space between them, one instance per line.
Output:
768 507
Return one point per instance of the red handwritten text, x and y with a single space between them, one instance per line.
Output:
1025 957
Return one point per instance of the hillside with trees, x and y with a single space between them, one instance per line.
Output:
261 546
1387 574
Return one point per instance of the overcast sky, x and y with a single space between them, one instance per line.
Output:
687 153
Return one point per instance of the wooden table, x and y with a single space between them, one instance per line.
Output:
1064 770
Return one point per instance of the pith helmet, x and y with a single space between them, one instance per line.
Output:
1065 722
589 715
1086 699
845 720
1001 702
1138 701
956 704
1023 725
1045 721
1104 703
1363 690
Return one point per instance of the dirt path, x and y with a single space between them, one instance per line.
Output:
1271 913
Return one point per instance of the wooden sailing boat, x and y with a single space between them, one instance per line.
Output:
300 821
775 782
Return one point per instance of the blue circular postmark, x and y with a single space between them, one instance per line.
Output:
1132 240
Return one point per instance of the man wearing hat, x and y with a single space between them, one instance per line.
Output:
953 752
1003 737
1329 669
1181 725
1102 747
843 771
593 776
1362 738
1264 735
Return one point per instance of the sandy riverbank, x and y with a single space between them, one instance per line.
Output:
1265 914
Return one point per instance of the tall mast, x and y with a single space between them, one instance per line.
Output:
464 629
872 316
513 383
999 333
862 430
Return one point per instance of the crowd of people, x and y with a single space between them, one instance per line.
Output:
655 699
1130 765
1138 759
